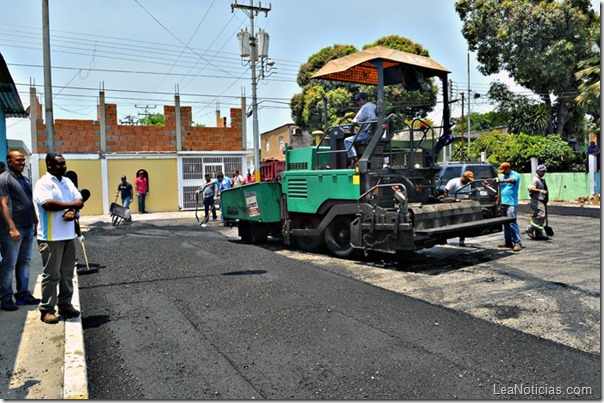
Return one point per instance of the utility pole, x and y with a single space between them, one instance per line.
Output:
146 111
462 155
469 100
50 122
127 121
249 44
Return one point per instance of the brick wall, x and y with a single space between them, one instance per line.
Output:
84 136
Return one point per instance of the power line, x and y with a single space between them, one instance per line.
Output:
107 90
129 44
138 72
178 39
189 41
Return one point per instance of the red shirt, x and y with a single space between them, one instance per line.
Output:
141 185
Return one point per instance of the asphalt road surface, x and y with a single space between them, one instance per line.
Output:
180 312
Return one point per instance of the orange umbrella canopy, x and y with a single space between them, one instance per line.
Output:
399 67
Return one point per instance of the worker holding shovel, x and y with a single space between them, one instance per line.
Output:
208 192
539 199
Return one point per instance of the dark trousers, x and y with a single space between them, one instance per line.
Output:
58 264
207 204
141 203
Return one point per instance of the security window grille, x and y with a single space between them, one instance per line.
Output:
194 169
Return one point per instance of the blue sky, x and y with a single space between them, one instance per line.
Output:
142 49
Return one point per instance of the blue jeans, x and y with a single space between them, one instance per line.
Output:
511 231
348 143
126 201
16 257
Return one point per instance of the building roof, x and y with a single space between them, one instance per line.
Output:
9 97
277 128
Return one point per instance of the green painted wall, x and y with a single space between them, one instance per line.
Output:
563 186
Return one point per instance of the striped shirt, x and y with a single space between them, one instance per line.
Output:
51 226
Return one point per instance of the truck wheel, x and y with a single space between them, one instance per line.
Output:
245 231
337 237
259 234
308 243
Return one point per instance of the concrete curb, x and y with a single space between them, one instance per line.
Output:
75 377
566 210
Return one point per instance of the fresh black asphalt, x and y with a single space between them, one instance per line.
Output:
176 311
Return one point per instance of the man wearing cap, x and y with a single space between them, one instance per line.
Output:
366 113
125 188
510 183
539 198
457 188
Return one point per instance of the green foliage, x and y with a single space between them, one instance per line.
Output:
533 118
319 59
397 42
307 107
526 115
518 149
156 119
481 121
539 43
588 75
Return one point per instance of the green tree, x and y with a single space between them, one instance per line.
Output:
318 60
154 119
480 122
588 76
518 149
538 42
307 107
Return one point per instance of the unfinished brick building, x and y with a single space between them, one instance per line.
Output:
175 156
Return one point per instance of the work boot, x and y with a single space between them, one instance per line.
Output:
517 248
504 245
8 305
69 312
48 317
353 162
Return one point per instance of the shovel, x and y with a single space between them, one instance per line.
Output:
85 255
196 206
88 269
549 231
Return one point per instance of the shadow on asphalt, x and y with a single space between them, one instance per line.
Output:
244 273
433 261
90 322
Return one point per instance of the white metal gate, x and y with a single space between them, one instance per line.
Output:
194 169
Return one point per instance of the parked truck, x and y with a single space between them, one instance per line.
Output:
390 201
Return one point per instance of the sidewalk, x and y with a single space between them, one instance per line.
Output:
41 361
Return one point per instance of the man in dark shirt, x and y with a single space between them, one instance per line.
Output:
125 188
18 227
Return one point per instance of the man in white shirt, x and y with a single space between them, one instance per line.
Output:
457 188
56 200
366 113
